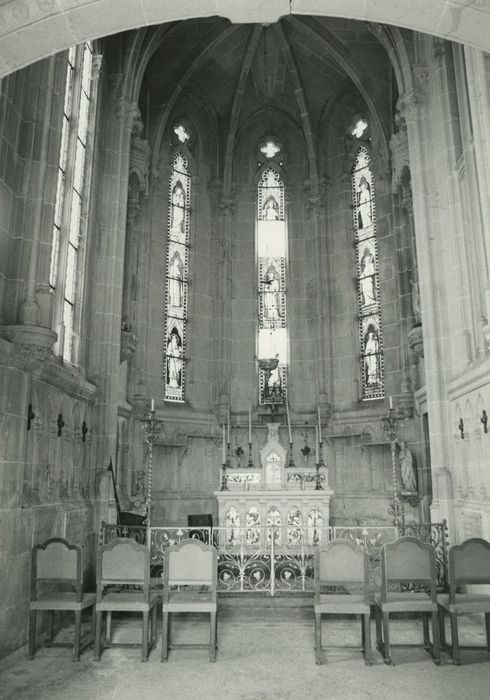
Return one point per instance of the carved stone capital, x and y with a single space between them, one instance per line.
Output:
408 104
33 345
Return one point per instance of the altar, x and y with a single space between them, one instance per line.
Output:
275 494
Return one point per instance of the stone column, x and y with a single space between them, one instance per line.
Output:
107 294
417 112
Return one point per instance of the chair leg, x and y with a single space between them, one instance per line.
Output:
425 625
212 637
436 646
442 629
153 627
318 638
98 635
363 633
454 638
386 638
379 636
92 628
108 627
487 628
368 657
78 635
144 645
165 631
50 625
32 633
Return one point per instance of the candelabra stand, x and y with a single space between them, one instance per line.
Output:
226 463
152 428
320 463
250 460
390 427
291 460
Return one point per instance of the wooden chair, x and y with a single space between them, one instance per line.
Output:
192 567
123 584
341 564
409 563
56 584
469 564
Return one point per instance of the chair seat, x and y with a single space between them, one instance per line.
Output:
354 604
406 602
127 600
466 602
62 601
189 601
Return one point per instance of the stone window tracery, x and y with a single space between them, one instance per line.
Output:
176 287
272 341
69 226
370 329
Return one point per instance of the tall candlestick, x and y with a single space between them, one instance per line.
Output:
249 421
289 423
228 432
224 446
391 402
153 404
316 443
319 426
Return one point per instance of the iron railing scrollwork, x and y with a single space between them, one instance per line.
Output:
278 559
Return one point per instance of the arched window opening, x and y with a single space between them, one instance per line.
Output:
370 330
272 341
70 217
176 288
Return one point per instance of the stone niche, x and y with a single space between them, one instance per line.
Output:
274 492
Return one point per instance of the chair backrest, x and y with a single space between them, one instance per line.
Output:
123 562
469 563
408 560
58 562
191 563
341 563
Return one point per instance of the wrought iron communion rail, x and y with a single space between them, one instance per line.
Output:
278 559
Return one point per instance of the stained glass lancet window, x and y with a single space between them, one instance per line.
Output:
176 291
370 331
272 350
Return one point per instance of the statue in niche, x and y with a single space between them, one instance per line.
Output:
407 468
416 299
177 211
364 213
371 357
270 210
174 360
367 278
271 294
175 278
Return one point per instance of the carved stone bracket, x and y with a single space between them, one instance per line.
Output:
129 342
33 345
416 340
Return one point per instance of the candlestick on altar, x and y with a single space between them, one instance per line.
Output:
249 421
291 460
289 424
152 405
224 445
228 460
250 462
316 443
319 426
228 432
224 478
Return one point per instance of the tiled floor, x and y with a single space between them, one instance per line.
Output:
265 653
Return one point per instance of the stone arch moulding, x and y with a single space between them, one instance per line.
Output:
32 31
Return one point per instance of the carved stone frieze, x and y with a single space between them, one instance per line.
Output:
33 345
